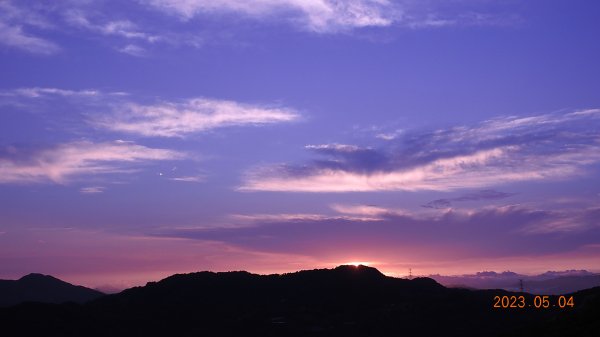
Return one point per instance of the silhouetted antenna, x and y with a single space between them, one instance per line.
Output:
410 273
521 284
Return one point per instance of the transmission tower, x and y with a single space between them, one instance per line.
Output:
521 285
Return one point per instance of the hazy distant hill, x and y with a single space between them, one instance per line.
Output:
43 288
551 282
563 285
345 301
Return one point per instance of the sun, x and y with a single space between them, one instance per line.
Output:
357 263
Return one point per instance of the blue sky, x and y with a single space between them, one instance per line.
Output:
143 138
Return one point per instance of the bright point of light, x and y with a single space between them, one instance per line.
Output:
357 263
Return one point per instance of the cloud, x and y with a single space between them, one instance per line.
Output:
122 112
66 161
14 24
333 16
18 18
586 112
37 92
193 116
491 232
14 36
475 196
565 221
389 135
122 28
492 153
133 50
299 217
465 171
22 22
339 155
190 179
343 212
334 148
432 18
92 190
314 15
375 212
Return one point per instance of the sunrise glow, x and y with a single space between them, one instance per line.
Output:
357 263
139 139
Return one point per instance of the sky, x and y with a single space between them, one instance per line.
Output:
143 138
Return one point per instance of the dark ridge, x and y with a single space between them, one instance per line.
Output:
345 301
37 276
45 289
359 269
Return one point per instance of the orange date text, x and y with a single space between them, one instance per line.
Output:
537 302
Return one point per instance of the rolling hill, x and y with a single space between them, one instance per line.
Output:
43 288
345 301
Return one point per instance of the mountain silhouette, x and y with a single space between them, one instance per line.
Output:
43 288
548 283
344 301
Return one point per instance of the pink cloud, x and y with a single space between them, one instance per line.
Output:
65 161
494 152
195 115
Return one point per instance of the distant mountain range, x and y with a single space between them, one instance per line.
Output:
43 288
549 283
345 301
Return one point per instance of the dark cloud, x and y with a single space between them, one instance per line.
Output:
487 233
342 157
542 147
549 134
475 196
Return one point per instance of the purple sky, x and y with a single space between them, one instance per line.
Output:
142 138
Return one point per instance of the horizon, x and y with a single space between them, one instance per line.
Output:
112 289
146 138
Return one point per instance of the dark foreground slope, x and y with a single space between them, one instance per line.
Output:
43 288
584 320
345 301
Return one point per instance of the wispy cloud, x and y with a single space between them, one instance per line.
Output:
92 190
495 152
376 212
15 23
122 28
465 171
475 196
133 50
15 36
330 16
318 16
389 135
195 115
334 148
22 24
122 112
37 92
66 161
342 212
19 18
190 179
492 232
431 17
299 217
565 221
